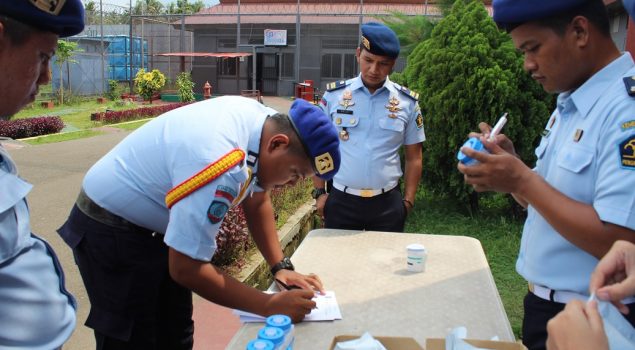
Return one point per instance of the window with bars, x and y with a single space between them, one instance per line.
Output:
227 67
287 64
338 66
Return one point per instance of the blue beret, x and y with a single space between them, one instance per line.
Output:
629 5
380 40
508 12
62 17
318 136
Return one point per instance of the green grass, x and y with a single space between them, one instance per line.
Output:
75 116
131 125
73 135
498 233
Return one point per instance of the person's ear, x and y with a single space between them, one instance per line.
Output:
580 30
279 141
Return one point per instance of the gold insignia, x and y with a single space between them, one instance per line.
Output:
347 97
578 135
352 120
553 121
344 135
392 106
324 163
53 7
419 121
628 125
366 43
366 193
338 120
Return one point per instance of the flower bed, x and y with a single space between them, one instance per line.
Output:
21 128
110 117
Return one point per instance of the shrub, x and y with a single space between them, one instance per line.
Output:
21 128
148 83
113 90
111 117
185 85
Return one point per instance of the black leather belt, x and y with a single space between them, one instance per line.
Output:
99 214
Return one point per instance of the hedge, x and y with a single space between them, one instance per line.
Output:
21 128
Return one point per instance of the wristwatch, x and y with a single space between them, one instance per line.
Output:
318 192
285 264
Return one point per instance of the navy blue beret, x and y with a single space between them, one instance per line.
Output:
62 17
380 40
318 136
629 5
520 11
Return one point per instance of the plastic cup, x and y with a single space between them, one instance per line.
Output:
475 144
416 258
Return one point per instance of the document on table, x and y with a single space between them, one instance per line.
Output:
326 309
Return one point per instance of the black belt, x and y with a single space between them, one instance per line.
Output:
99 214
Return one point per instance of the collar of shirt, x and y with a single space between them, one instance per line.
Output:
589 93
359 84
253 149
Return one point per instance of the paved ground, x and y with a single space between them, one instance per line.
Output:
57 170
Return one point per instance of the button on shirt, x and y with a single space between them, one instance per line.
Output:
370 158
32 291
133 179
580 157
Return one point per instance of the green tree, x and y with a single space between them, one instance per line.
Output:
64 53
411 30
185 85
148 7
185 7
468 72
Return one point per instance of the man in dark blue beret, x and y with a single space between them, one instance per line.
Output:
579 196
36 311
375 118
143 230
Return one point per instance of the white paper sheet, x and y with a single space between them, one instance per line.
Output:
326 309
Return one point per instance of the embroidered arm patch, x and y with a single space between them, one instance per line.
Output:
204 176
627 153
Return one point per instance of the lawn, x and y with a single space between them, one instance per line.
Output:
498 233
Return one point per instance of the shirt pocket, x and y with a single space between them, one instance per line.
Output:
392 124
540 150
575 159
345 120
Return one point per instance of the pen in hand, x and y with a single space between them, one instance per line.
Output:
285 286
497 128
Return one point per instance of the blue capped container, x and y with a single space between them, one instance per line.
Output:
273 334
260 344
475 144
282 322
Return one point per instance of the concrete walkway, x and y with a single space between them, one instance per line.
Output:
57 170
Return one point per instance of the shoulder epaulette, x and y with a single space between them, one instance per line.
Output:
205 176
336 85
412 94
629 83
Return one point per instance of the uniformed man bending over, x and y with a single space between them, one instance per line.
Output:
144 225
580 196
375 117
36 311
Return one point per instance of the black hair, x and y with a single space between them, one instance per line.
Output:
593 10
17 32
282 125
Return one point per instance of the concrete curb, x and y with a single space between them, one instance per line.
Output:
256 270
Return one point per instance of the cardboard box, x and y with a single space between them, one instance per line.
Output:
439 344
390 343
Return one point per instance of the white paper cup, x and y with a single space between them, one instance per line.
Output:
416 258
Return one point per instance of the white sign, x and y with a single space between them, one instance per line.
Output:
275 37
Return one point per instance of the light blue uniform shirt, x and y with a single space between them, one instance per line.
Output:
36 311
370 158
133 179
581 156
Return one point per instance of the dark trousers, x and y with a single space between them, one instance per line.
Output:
384 212
538 311
134 302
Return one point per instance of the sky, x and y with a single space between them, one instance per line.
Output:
126 3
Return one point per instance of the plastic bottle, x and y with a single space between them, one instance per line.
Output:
273 334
